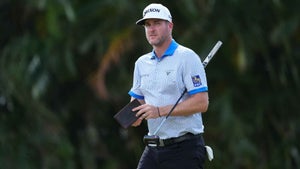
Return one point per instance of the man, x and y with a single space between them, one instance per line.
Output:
160 77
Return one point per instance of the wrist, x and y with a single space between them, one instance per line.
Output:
158 112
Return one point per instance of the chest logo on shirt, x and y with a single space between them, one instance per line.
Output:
196 81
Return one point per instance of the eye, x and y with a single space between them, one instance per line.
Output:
147 25
157 23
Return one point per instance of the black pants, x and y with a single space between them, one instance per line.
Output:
189 154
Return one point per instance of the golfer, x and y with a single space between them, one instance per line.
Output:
159 79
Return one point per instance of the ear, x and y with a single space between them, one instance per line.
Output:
170 25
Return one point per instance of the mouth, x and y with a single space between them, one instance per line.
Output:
152 36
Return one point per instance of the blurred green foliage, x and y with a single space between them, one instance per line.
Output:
66 67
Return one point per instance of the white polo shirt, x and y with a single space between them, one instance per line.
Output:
160 82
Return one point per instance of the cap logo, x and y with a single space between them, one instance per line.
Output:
151 10
155 11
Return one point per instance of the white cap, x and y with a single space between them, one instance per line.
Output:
155 11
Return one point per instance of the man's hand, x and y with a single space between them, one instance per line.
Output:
146 111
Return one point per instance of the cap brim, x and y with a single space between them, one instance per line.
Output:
140 22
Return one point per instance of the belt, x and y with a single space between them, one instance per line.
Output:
170 141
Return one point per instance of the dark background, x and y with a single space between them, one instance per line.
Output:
66 67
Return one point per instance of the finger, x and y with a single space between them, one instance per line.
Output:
148 116
138 108
140 113
142 116
145 115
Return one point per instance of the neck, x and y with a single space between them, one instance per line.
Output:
160 50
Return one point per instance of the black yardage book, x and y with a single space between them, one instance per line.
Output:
126 116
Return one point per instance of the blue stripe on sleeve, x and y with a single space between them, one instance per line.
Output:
203 89
135 95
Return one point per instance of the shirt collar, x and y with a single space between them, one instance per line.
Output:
169 52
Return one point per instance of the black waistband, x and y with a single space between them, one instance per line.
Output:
188 136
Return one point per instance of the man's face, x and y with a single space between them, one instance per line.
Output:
157 31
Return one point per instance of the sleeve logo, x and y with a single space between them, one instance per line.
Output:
196 81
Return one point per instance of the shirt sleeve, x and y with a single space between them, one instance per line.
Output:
135 89
194 74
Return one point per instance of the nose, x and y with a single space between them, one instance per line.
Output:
151 29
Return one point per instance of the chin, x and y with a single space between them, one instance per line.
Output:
154 43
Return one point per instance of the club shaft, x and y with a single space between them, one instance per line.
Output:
212 53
